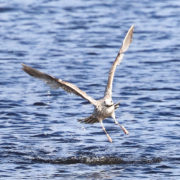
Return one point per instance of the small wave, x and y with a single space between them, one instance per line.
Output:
39 104
6 9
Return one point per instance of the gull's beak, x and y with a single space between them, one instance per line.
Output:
110 105
116 105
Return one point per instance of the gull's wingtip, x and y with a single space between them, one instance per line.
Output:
23 65
127 40
132 26
131 29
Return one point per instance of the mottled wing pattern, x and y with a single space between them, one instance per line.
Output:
58 83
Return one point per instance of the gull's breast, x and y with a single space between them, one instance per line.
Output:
105 112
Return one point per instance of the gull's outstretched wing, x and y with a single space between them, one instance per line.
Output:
58 83
126 42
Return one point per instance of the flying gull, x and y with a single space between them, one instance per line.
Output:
103 108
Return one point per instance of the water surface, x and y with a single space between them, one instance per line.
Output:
77 41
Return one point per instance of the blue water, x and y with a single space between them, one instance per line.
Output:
77 41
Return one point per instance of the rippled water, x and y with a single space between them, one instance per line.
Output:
78 41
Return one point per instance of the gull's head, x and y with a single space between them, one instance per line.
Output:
108 103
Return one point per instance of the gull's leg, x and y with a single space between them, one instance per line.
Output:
109 138
122 127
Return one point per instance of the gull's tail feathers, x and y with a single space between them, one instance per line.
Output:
89 120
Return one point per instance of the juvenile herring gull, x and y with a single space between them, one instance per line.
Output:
103 108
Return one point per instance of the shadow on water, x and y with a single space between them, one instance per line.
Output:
86 158
96 160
